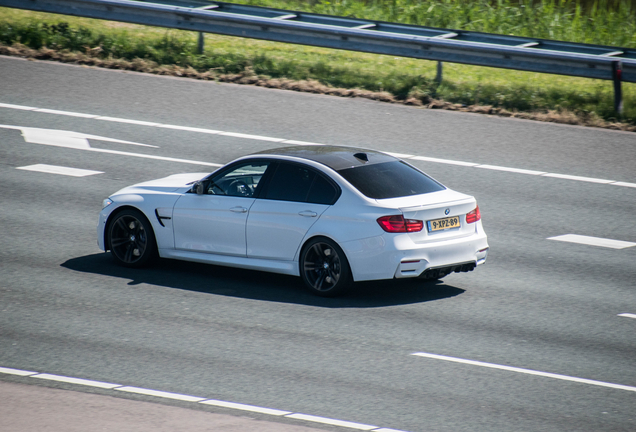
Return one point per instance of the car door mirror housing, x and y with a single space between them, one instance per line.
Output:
197 188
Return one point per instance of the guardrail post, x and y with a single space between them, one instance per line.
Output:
201 43
617 73
440 70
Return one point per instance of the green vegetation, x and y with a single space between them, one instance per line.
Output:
556 98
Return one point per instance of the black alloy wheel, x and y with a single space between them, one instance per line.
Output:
324 268
131 239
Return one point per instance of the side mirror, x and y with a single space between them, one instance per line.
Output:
198 188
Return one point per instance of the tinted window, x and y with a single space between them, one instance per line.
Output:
390 180
290 183
322 191
293 182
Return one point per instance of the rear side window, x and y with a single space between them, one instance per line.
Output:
293 182
390 180
322 191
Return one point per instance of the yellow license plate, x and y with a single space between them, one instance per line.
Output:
443 224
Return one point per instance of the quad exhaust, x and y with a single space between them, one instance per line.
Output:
440 272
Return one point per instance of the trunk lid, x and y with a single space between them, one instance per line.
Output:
440 211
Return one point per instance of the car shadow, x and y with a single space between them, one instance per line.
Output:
256 285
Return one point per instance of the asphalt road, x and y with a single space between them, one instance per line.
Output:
259 339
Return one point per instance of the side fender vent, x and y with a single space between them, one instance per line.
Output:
161 218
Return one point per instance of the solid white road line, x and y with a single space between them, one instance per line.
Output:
147 156
579 178
526 371
244 407
190 129
161 394
295 142
254 137
513 170
72 380
627 315
632 185
593 241
53 169
302 143
66 113
386 430
19 107
333 422
129 121
444 161
195 399
400 155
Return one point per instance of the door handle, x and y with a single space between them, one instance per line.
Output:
308 213
238 209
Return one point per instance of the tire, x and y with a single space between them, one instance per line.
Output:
131 239
324 268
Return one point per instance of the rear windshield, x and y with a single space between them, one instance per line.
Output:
390 180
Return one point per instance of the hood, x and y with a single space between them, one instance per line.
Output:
168 184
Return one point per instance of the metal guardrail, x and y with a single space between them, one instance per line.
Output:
443 45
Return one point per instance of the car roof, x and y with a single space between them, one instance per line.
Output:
335 157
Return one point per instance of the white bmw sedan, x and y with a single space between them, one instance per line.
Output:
331 215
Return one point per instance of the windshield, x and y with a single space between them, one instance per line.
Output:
390 180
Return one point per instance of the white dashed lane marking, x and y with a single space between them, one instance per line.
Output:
295 142
333 422
593 241
627 315
11 371
53 169
244 407
195 399
526 371
161 394
78 381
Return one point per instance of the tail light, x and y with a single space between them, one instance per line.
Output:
473 216
397 224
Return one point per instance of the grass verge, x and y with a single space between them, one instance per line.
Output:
317 70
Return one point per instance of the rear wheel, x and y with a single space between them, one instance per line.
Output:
324 268
131 239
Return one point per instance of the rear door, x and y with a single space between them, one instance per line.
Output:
292 201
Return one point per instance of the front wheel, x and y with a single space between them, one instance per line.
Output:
131 239
324 268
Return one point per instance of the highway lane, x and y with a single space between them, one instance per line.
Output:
258 339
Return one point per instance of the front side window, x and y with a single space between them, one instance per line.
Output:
241 180
390 180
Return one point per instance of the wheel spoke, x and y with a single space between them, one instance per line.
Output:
116 242
320 280
334 276
122 225
310 266
141 246
128 254
318 250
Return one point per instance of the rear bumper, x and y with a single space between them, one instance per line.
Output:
396 256
460 255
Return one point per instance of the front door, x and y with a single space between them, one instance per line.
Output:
214 222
